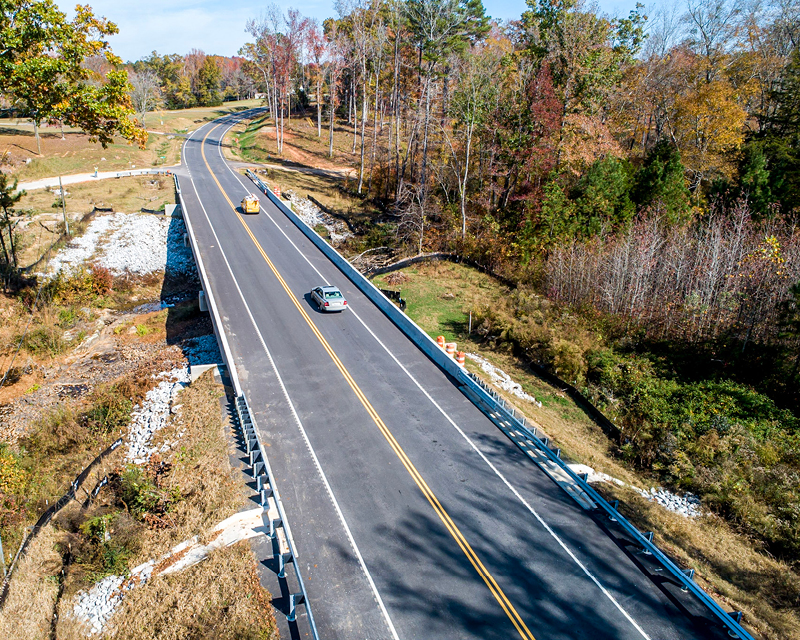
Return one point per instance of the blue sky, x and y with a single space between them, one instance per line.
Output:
176 26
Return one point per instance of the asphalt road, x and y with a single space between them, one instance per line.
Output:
412 514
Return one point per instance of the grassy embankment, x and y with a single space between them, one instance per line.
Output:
729 560
76 154
66 403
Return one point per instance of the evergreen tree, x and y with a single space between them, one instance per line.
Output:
755 180
602 197
660 182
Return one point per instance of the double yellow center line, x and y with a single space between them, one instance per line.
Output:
451 527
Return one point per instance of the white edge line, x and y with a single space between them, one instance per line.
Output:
361 561
497 472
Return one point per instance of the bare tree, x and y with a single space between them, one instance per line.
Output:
145 93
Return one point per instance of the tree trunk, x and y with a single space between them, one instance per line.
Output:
355 115
424 172
319 109
276 116
10 228
363 128
332 109
464 183
375 129
36 135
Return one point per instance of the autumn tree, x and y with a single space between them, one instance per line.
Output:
208 83
42 71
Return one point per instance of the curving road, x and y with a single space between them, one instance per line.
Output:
412 514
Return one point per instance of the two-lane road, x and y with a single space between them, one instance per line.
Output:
413 516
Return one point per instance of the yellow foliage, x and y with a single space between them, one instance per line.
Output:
709 126
12 477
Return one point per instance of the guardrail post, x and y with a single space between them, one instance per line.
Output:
689 573
273 524
615 506
649 537
282 559
736 615
294 600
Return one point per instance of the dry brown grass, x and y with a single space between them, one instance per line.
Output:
727 566
218 599
200 469
28 611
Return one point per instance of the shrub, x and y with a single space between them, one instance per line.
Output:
110 410
12 476
108 556
43 340
101 280
138 490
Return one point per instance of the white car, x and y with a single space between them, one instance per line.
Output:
328 298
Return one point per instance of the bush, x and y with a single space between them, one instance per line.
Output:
106 555
43 340
138 490
110 410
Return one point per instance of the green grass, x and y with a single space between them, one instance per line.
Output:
441 295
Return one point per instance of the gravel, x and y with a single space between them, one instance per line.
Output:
501 379
98 604
153 414
202 350
687 505
313 216
129 243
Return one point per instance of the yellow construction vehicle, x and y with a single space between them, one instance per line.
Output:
250 204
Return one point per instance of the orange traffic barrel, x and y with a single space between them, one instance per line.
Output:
450 348
277 191
461 358
440 341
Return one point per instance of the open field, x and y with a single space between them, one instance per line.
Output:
440 296
75 153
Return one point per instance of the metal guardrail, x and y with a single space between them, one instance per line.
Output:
477 390
262 474
261 471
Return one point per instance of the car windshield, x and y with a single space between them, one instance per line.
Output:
333 294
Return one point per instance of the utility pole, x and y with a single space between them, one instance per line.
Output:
63 205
